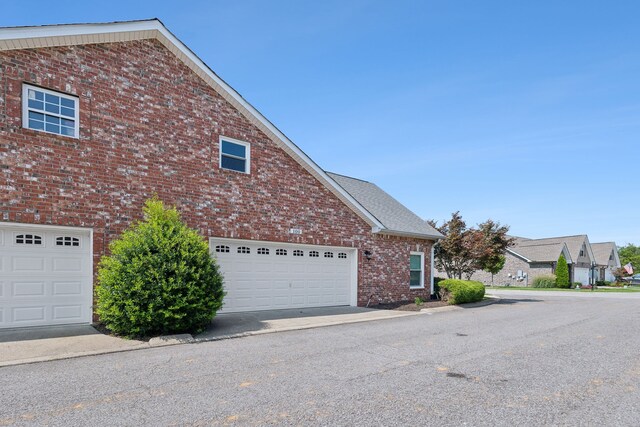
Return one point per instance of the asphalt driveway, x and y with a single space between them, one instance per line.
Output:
528 360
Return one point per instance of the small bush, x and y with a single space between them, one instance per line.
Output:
562 273
603 283
418 301
578 285
457 291
544 282
159 278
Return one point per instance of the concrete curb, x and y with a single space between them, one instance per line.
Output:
171 340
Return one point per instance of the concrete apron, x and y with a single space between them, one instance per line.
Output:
30 345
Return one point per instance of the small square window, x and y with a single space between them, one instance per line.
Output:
48 111
234 155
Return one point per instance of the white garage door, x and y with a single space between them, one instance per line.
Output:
45 276
581 275
267 275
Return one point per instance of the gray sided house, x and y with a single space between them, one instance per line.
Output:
607 260
530 258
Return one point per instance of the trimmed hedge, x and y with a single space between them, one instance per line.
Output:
456 291
159 278
544 282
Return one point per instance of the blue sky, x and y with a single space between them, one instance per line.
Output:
524 112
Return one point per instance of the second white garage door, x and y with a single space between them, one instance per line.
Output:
268 276
45 276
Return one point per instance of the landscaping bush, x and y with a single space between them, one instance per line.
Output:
159 278
456 291
577 285
544 282
562 273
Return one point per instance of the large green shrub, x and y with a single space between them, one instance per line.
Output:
457 291
562 273
544 282
159 278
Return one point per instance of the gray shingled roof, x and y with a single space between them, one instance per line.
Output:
602 252
544 252
396 218
574 243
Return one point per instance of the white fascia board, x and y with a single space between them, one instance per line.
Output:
60 35
589 250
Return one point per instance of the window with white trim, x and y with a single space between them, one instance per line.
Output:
416 266
281 252
298 252
49 111
244 250
222 249
328 254
234 155
342 255
263 251
314 254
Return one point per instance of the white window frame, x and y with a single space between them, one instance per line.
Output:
247 158
421 254
26 109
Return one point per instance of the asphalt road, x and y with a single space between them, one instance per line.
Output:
528 360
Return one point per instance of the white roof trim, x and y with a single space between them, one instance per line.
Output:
76 34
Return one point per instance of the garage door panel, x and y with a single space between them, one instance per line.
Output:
27 264
45 282
67 288
28 314
27 289
67 312
64 265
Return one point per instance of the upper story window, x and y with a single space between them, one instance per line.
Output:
234 155
48 111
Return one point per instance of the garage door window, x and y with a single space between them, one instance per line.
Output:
342 255
222 249
263 251
244 250
298 253
416 263
328 254
67 241
282 252
28 239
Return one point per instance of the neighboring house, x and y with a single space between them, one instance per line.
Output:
529 258
96 118
607 260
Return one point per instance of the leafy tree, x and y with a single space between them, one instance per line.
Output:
466 250
562 273
159 278
494 265
630 254
619 273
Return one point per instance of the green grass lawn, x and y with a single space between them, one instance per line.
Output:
524 288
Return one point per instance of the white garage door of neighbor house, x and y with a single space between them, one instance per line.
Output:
581 275
45 276
268 276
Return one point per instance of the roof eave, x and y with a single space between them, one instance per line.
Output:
422 236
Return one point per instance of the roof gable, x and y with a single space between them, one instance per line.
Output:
396 218
77 34
603 251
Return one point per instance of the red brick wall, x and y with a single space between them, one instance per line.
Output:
149 125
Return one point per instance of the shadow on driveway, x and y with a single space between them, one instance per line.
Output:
516 301
46 332
238 323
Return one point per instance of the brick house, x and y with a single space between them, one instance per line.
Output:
96 118
529 258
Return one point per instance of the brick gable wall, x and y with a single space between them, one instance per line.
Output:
149 125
